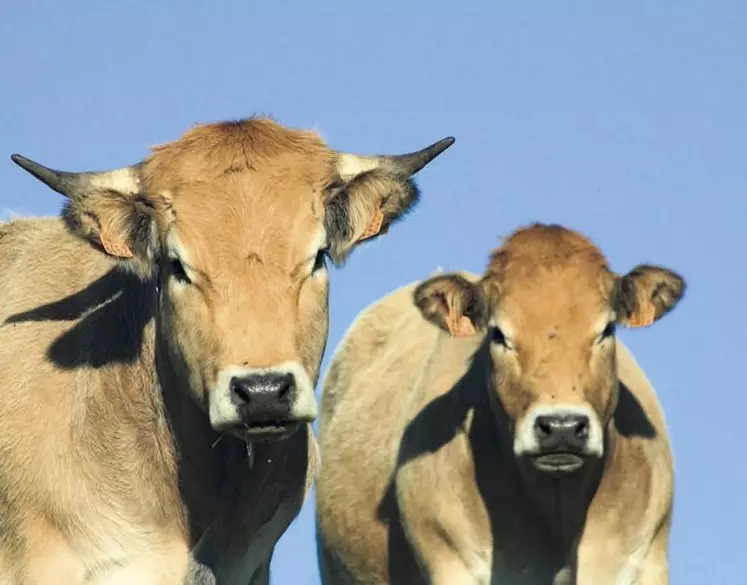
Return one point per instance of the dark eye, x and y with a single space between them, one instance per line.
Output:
608 331
177 271
497 337
320 261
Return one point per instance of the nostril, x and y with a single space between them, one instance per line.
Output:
238 389
582 428
544 428
285 387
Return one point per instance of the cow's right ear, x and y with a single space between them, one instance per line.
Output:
107 209
453 303
374 191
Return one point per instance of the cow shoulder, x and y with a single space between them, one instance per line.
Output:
389 322
361 344
41 260
640 482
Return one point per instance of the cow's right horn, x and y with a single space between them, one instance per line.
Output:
76 185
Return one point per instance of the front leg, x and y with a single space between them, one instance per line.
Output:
444 567
624 547
605 560
436 549
599 560
655 569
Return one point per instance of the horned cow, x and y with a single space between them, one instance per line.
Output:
159 347
493 430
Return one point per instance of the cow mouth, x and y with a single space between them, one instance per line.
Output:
271 430
558 462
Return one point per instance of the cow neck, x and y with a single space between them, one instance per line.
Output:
118 423
557 504
205 458
564 500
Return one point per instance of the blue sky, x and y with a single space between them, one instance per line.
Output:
626 121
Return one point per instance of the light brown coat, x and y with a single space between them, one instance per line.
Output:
432 469
159 347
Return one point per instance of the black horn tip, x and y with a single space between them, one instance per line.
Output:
412 163
21 160
432 151
444 143
39 171
59 181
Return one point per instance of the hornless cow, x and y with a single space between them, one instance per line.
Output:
158 337
494 431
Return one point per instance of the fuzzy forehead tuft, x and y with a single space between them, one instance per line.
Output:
542 247
209 151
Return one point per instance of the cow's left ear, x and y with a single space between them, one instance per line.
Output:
374 192
106 208
453 303
646 294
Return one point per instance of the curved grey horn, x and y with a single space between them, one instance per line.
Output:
349 165
74 185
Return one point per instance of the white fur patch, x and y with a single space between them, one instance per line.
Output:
124 180
352 165
317 243
175 246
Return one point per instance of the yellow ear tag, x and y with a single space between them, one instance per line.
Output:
460 326
375 226
645 318
113 248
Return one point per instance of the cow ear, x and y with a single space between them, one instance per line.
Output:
453 303
121 225
107 209
646 294
374 192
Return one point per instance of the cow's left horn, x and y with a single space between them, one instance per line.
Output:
350 165
77 185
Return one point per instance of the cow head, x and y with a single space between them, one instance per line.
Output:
236 222
547 307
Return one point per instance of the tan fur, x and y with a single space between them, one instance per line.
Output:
110 470
419 483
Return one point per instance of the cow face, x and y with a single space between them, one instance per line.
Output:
547 307
236 222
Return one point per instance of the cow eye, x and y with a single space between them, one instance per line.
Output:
498 338
320 261
608 331
177 270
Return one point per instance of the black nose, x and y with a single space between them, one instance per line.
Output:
565 432
264 398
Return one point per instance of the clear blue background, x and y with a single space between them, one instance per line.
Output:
625 120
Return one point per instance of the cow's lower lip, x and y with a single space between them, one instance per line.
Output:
558 462
269 431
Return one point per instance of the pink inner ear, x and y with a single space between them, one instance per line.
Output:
460 326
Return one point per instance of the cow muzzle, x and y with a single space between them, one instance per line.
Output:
265 402
559 439
562 440
262 405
